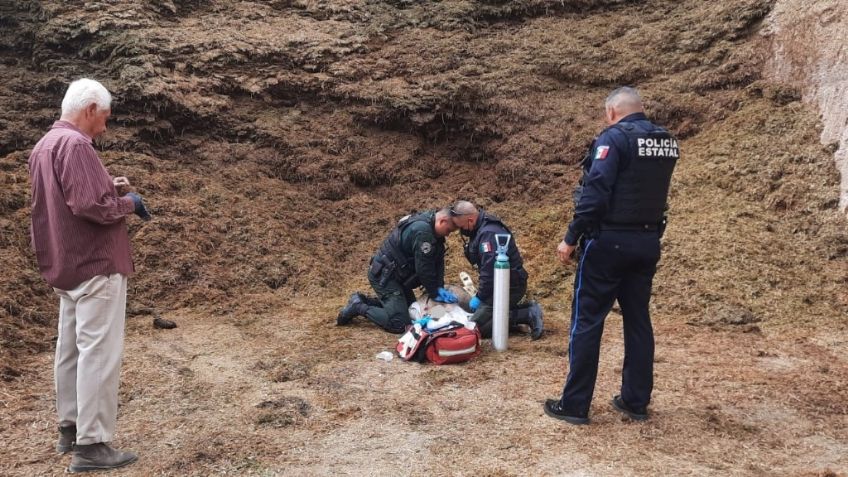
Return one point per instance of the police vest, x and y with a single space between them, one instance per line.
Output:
392 247
641 190
493 224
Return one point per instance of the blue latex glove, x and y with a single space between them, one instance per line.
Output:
445 296
474 303
140 209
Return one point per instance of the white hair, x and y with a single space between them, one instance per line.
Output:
624 97
82 93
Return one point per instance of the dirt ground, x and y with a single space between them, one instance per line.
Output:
277 141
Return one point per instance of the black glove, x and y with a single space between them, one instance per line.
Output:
140 209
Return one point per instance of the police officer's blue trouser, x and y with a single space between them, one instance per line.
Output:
614 265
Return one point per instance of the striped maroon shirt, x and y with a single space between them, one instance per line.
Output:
78 227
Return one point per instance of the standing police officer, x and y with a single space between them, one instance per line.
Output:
413 255
618 220
481 227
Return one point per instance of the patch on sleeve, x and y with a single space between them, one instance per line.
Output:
426 247
486 247
601 153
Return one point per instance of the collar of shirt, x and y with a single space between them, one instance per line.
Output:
60 124
634 117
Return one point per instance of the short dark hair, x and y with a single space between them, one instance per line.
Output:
462 207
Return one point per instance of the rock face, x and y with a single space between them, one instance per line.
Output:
809 41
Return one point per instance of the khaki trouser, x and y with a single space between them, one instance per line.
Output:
88 356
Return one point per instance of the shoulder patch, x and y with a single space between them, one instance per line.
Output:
486 247
426 247
601 153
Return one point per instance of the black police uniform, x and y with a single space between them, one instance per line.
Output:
410 257
618 218
480 250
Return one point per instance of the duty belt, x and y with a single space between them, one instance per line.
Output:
631 227
394 268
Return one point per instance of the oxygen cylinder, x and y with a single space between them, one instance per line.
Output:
500 318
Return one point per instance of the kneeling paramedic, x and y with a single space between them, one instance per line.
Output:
481 227
413 255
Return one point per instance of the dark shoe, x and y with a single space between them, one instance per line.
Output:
67 438
99 457
369 300
640 414
536 325
353 309
163 324
554 409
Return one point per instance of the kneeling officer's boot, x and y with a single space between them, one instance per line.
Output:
529 314
99 457
355 307
536 324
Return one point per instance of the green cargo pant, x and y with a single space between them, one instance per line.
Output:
483 315
393 314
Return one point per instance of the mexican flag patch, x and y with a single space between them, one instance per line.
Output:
486 247
601 153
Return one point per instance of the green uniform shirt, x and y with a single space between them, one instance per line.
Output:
419 240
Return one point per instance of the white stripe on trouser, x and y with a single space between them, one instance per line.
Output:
88 356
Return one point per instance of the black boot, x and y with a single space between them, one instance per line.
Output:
637 414
530 315
355 307
536 324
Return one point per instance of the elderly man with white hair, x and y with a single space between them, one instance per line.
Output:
79 234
